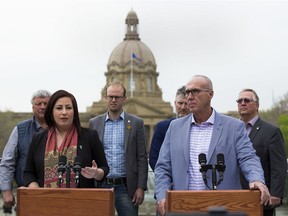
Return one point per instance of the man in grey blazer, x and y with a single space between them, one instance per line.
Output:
208 132
124 141
269 144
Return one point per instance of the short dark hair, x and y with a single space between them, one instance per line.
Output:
181 91
50 121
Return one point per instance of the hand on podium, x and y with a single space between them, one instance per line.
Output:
161 207
265 195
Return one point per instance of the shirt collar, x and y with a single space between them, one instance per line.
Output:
37 124
210 120
253 120
121 116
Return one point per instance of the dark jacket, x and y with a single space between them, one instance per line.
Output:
89 148
135 149
157 140
269 144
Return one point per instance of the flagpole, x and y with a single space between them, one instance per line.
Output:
131 75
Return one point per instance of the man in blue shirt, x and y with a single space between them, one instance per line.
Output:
123 138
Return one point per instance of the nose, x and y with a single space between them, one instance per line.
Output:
242 102
64 111
184 106
43 105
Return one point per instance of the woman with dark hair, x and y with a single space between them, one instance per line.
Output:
64 138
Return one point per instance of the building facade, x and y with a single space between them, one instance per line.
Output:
133 64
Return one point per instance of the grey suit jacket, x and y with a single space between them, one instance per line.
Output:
228 137
135 149
269 144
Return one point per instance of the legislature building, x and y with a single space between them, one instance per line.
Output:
133 64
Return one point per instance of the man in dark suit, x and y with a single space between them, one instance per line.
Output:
124 141
181 109
269 144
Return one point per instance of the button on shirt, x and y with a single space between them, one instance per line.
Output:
200 138
114 146
250 124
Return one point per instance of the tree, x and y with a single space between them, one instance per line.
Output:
283 125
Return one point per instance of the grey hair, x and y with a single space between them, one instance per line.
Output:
41 94
256 98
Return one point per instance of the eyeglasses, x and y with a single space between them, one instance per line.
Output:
110 98
195 91
40 103
246 100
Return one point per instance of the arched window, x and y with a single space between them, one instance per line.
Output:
149 84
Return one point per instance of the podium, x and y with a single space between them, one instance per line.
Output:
65 201
245 201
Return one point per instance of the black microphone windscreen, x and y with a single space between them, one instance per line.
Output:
202 158
220 159
63 160
78 160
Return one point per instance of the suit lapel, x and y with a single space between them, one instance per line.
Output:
217 130
100 127
256 128
185 139
127 128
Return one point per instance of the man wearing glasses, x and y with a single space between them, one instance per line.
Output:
268 142
124 142
205 132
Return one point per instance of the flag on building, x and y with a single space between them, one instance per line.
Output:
135 57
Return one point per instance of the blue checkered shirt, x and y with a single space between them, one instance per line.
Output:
114 146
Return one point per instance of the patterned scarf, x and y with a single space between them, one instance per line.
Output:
67 148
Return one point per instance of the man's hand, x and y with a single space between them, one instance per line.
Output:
138 197
275 201
265 195
161 207
8 199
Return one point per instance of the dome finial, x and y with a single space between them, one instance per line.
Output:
132 28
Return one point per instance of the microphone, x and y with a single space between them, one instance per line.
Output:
77 169
203 169
61 168
202 159
220 159
220 167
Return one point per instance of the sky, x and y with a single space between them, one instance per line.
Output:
66 44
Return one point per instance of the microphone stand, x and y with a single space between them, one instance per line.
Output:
214 178
214 168
220 169
68 177
59 182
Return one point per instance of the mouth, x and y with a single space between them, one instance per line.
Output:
64 119
243 109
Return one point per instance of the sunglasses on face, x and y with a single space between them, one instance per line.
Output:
246 100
